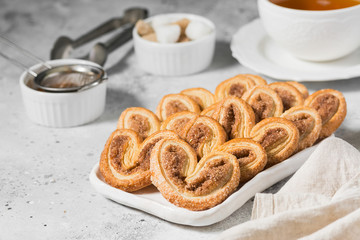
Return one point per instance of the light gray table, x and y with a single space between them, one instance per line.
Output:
44 188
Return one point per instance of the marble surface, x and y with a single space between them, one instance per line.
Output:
44 188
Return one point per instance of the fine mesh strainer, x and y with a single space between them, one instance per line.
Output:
69 78
65 78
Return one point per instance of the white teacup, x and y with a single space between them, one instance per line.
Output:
312 35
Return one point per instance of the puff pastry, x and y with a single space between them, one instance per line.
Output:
256 79
250 154
209 111
278 136
235 86
289 95
264 101
235 116
139 119
307 121
331 106
190 184
201 96
173 103
177 121
144 151
118 163
125 161
203 134
301 87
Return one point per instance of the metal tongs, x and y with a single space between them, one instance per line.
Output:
99 52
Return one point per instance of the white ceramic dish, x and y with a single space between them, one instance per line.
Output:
62 109
151 201
175 59
255 50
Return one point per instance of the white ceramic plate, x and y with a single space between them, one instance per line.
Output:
151 201
255 50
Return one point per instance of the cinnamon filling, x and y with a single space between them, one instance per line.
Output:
174 106
117 150
262 105
237 90
174 160
212 176
286 98
139 124
178 124
229 119
244 156
145 152
197 135
326 105
272 136
304 123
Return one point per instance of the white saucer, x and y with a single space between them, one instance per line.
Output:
255 50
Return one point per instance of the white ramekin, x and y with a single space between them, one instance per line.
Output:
62 109
174 59
312 35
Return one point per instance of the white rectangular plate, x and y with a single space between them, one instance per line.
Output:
151 201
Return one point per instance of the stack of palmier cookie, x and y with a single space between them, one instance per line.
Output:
200 147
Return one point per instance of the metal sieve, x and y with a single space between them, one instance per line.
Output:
72 78
69 78
66 78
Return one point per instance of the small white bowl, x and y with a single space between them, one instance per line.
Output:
174 59
62 109
312 35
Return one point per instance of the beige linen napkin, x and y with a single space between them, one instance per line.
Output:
321 200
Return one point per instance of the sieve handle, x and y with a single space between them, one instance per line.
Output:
16 50
100 51
119 39
131 16
106 27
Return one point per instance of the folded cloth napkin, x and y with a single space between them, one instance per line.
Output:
321 200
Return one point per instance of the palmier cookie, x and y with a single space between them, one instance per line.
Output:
203 134
331 106
190 184
235 86
307 121
250 154
301 87
256 79
177 121
174 103
278 136
201 96
264 101
125 161
209 111
289 94
139 119
235 116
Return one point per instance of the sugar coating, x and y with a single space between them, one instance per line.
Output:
196 30
168 33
